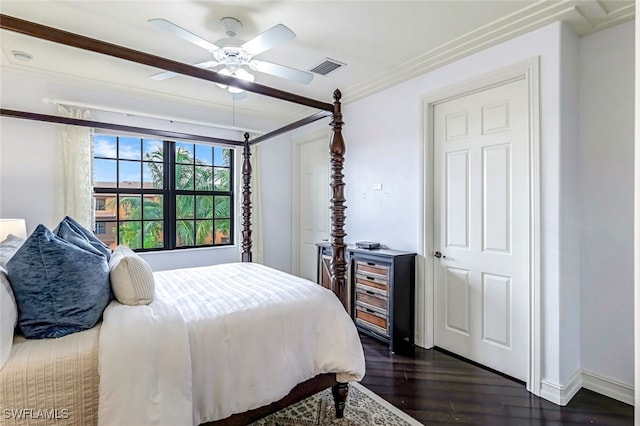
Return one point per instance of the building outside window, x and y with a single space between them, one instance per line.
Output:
153 195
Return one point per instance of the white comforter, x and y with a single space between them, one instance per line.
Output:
220 340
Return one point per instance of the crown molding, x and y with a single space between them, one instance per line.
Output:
583 18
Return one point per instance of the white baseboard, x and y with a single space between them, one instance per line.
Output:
608 387
561 394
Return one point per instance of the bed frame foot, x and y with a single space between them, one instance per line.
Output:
340 392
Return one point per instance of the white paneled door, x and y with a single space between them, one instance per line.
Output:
481 227
313 203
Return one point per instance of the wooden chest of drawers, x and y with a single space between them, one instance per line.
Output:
382 290
371 296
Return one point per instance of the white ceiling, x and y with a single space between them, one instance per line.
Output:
381 42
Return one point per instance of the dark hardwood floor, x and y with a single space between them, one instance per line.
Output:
436 388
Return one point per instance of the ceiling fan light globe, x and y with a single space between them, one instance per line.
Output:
244 75
223 71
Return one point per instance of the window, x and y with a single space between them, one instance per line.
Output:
162 194
101 228
101 204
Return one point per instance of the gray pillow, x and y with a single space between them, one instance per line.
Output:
70 230
59 287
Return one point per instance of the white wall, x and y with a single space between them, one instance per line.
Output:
569 204
275 170
27 173
606 82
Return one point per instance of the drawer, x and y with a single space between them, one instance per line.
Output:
371 298
367 282
372 269
372 320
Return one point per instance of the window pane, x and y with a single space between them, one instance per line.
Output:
222 231
153 175
204 178
129 148
130 174
204 232
184 153
104 146
184 206
221 180
153 234
153 206
105 173
131 235
222 156
204 154
184 177
184 233
204 207
130 207
223 207
152 150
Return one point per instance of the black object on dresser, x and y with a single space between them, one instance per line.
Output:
382 293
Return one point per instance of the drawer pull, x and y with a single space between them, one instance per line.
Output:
370 292
370 278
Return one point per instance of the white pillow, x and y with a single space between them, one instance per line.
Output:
132 279
8 317
8 247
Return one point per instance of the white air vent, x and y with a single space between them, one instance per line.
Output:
327 66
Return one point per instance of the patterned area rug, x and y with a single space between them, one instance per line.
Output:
364 408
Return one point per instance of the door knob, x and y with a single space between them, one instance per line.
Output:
439 255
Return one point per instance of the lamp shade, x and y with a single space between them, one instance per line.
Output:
16 227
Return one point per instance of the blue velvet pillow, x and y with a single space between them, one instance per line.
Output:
75 233
60 288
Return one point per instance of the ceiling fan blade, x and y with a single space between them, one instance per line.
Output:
182 33
282 71
168 74
268 39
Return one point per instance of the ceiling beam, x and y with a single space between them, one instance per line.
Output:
120 127
289 127
55 35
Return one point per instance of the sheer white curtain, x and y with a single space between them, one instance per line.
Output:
256 204
75 147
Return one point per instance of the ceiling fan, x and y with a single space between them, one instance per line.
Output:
234 55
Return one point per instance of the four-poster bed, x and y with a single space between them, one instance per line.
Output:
336 146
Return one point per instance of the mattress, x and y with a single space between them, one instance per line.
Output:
51 381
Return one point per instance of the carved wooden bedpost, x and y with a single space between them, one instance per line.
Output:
337 150
246 201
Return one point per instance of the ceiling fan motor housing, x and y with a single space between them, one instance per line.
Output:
231 26
232 57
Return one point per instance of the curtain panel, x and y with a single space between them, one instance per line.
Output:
75 148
